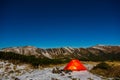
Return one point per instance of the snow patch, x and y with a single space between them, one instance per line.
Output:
96 47
68 49
47 54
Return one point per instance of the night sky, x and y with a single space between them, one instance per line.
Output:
59 23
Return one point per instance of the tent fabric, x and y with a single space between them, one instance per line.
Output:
75 65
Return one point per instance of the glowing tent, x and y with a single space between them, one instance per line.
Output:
75 65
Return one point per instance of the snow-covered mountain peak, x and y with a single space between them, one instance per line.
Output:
100 45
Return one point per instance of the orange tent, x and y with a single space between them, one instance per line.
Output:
75 65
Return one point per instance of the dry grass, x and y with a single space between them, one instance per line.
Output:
108 62
90 62
51 66
113 71
113 63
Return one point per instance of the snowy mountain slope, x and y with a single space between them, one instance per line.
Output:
53 53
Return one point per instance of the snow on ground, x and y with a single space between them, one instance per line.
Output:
10 71
46 74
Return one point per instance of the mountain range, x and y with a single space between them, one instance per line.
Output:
94 52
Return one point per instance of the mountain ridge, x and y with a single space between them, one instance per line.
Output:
65 52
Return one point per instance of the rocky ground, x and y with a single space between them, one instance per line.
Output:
10 71
46 74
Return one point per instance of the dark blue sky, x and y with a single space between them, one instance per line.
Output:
59 23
